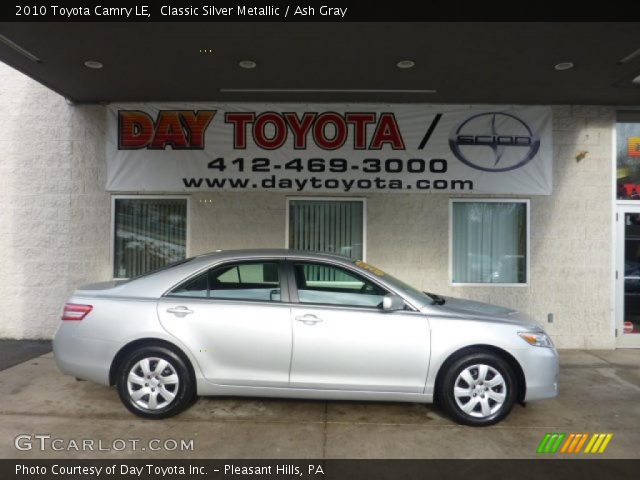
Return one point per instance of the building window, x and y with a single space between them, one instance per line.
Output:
489 242
327 225
628 155
148 233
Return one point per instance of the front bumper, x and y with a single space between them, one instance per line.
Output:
541 367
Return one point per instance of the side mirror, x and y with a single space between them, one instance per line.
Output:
391 303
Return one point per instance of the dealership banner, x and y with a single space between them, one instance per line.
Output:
330 148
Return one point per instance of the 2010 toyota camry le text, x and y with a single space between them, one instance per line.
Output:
283 323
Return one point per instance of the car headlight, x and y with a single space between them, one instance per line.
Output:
537 339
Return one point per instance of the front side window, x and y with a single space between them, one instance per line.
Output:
331 226
148 234
327 284
489 242
238 281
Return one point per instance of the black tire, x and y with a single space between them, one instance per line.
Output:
183 392
447 400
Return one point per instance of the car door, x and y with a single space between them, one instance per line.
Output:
343 340
234 320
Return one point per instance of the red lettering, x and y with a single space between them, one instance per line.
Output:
320 131
360 122
169 131
300 128
239 121
196 124
260 131
387 131
330 130
179 129
136 129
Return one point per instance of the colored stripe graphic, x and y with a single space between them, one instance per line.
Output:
543 443
572 443
606 442
571 440
582 442
551 442
598 442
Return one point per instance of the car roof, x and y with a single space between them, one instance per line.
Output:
270 252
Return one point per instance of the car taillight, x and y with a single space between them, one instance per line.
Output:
73 311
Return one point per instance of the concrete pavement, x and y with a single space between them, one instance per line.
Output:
599 393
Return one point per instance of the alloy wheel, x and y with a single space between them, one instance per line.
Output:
480 390
153 383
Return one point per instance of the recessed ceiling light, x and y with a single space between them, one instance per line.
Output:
636 81
563 66
93 64
404 64
248 64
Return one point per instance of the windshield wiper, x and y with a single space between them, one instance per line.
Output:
437 299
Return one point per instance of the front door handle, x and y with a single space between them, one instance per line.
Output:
308 319
180 311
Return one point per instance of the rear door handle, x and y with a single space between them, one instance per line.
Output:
308 319
180 311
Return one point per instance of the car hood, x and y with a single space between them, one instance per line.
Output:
480 311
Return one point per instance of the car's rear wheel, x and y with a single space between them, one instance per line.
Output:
478 389
154 382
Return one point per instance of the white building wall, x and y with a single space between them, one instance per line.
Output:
54 212
56 221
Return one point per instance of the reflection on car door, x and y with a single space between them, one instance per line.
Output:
233 320
342 340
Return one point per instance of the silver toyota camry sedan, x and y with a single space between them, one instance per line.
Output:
282 323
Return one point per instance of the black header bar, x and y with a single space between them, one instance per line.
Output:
307 11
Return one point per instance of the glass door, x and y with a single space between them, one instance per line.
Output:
628 276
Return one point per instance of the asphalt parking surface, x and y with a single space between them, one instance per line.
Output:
13 352
600 392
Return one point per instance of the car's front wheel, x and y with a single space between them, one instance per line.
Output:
478 389
154 382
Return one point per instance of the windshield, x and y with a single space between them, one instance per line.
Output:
399 284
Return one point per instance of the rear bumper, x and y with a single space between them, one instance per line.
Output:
540 366
88 359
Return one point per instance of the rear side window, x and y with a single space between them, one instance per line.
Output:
196 287
239 281
246 281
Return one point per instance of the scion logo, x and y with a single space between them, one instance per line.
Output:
494 142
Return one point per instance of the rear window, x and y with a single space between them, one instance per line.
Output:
164 267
